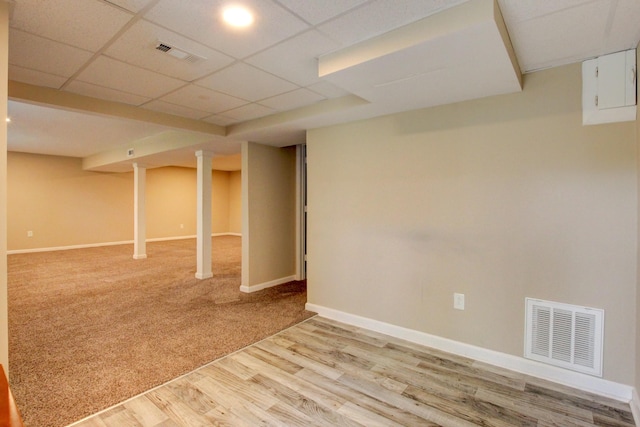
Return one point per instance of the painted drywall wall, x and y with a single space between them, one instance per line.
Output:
64 205
171 202
220 202
499 199
235 202
635 325
4 64
268 197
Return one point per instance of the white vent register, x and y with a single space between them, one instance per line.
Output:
564 335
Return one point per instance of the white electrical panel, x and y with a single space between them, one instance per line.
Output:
609 88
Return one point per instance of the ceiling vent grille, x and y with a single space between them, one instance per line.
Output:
564 335
177 53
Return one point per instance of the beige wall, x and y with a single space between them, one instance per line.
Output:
4 61
171 202
637 329
235 202
220 202
500 199
65 206
268 194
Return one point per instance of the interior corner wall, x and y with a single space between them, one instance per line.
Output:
499 199
65 205
268 203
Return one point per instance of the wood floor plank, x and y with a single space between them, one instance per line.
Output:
365 417
275 360
549 412
148 414
179 411
380 407
294 357
235 408
324 373
426 412
289 417
309 391
188 393
94 421
122 418
228 390
309 407
468 408
603 410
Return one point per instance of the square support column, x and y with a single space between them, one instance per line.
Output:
139 212
203 238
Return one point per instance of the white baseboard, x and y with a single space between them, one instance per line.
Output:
635 406
618 391
124 242
66 248
167 239
265 285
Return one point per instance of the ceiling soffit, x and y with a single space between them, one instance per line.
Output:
461 53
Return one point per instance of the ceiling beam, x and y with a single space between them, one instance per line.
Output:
143 148
66 100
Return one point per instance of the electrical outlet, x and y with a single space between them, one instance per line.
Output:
29 233
458 301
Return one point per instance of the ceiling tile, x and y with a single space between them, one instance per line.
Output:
381 16
297 58
177 110
137 46
117 75
627 16
87 24
100 92
202 21
134 6
40 54
246 82
316 12
291 100
200 98
248 112
327 89
36 78
220 120
523 10
557 38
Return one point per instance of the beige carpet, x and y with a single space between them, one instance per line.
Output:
89 328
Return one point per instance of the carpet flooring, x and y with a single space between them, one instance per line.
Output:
89 328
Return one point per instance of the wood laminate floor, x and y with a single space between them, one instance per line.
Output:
325 373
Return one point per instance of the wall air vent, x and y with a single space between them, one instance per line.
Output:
178 53
564 335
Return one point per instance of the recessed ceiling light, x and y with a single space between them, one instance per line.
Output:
8 120
237 16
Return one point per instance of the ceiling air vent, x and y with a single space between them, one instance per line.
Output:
178 53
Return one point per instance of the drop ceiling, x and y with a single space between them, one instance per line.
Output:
303 64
